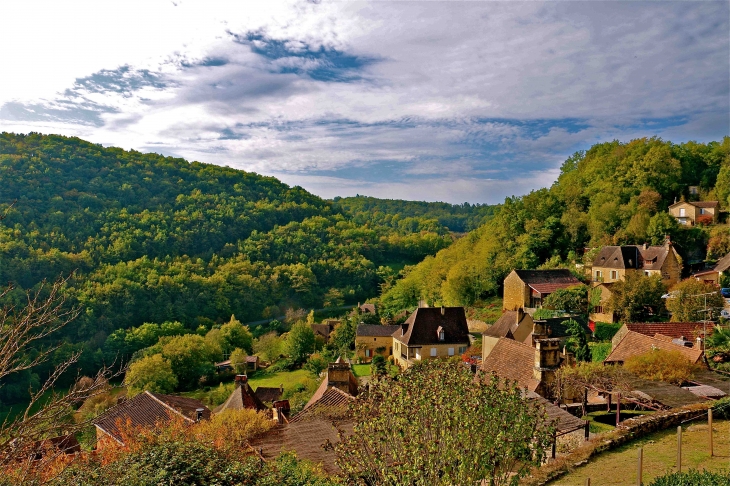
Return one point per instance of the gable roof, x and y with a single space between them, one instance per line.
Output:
321 329
547 281
375 330
506 325
269 394
512 360
698 204
242 397
665 394
634 343
632 257
368 309
147 410
422 326
723 264
565 422
674 330
309 430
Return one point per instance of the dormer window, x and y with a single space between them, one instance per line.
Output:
440 332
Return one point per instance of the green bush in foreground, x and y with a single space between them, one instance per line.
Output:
693 478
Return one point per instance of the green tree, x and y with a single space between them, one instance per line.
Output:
151 373
315 364
378 366
238 361
577 342
660 226
269 346
191 357
342 337
236 335
299 343
687 302
632 296
573 300
435 424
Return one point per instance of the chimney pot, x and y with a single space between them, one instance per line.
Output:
199 414
443 310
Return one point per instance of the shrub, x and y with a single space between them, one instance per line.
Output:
692 478
605 331
658 364
599 351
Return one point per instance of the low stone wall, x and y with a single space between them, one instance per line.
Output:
629 430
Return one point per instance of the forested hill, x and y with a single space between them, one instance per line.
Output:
156 239
615 193
412 216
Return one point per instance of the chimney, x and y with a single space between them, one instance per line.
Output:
199 414
539 328
520 315
403 329
241 379
646 246
281 388
281 411
443 310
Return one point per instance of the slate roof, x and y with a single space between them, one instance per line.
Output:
634 343
421 327
565 422
242 397
309 430
504 326
147 410
706 391
674 330
632 257
547 281
662 393
269 394
375 330
514 361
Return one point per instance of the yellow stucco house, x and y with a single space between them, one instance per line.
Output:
528 288
431 332
372 339
691 213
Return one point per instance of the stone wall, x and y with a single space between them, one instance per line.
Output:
516 294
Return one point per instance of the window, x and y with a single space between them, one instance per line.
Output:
367 353
682 212
598 309
614 275
418 354
462 349
375 339
451 351
433 352
598 274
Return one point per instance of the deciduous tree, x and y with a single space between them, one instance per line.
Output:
151 373
635 294
687 302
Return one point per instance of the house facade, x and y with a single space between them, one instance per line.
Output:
528 288
714 275
372 339
690 213
431 332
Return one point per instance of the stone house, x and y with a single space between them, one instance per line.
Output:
372 339
691 213
633 344
243 397
339 376
431 332
713 276
528 288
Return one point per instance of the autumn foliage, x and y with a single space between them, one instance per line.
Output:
661 365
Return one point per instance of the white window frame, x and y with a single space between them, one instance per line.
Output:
682 212
418 354
451 351
434 352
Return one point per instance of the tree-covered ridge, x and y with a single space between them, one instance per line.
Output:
614 193
156 239
411 216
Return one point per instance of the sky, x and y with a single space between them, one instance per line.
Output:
439 101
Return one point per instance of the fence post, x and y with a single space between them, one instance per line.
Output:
588 481
640 468
709 426
679 448
618 409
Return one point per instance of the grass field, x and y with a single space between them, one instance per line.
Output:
361 370
619 467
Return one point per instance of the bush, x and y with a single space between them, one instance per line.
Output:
658 364
692 478
605 331
599 351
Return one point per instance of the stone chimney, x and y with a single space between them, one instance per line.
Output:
240 380
443 310
199 414
547 360
338 376
539 329
281 410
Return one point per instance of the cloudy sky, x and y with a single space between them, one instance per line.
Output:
453 101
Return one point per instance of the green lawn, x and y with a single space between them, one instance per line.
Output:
361 370
618 467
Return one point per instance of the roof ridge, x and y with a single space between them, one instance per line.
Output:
162 402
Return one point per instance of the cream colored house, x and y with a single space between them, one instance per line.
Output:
431 332
613 263
691 213
528 288
372 339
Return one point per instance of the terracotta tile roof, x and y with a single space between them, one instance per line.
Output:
705 204
242 397
634 343
147 410
421 327
376 330
368 309
674 330
512 360
309 430
269 394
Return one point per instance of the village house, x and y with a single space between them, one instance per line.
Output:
339 375
528 288
713 276
634 344
521 327
690 213
613 263
146 410
243 397
324 329
372 339
684 332
431 332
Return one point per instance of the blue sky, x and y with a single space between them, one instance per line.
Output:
452 101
